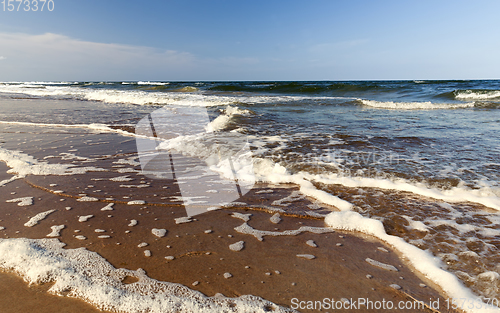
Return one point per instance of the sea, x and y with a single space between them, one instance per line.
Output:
422 157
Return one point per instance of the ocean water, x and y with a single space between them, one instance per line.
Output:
421 157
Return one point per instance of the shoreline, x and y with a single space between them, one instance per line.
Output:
340 256
276 268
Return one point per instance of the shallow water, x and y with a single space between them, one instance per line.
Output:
422 157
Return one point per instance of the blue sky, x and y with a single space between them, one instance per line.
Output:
251 40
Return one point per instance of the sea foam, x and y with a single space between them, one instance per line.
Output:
414 105
485 197
23 165
88 276
422 261
477 94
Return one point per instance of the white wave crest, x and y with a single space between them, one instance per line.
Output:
152 83
181 97
478 95
222 121
414 105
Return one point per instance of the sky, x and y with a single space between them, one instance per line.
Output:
122 40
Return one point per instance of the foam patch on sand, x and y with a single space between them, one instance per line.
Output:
6 181
259 234
128 161
237 246
381 265
87 199
86 275
306 256
23 165
25 201
294 196
264 191
37 218
136 202
135 186
311 243
182 220
72 156
242 216
108 207
159 232
422 261
275 219
84 218
56 230
121 178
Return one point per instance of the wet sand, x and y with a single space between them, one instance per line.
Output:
200 249
16 296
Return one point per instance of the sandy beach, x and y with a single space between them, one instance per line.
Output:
212 253
246 157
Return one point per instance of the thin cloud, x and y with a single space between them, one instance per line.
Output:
2 57
53 56
57 57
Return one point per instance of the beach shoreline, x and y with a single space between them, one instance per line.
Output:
276 268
